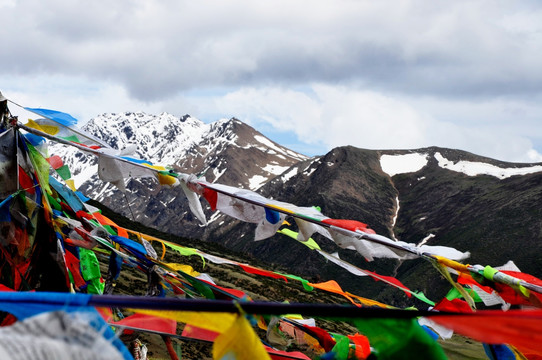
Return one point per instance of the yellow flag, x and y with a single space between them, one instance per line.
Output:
71 184
166 179
163 179
214 321
41 166
187 269
48 129
239 342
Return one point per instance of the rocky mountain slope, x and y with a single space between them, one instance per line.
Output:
227 151
434 196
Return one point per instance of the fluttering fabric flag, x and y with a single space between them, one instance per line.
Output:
148 322
304 282
310 243
183 250
8 165
444 270
192 197
351 225
250 207
135 248
58 116
43 126
377 246
228 347
55 161
253 270
41 166
487 294
74 266
334 287
324 338
341 349
508 285
195 332
56 335
268 222
111 168
360 272
522 329
26 305
501 352
106 221
67 126
71 133
399 339
307 228
362 348
67 195
90 269
217 322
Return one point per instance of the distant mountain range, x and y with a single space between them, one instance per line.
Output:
433 195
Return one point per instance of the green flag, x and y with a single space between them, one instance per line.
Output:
90 269
64 172
341 348
399 339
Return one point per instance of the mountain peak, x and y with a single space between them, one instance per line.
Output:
226 149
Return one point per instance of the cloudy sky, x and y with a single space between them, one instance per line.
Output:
310 74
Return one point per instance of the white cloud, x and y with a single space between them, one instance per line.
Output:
156 49
394 74
336 116
82 98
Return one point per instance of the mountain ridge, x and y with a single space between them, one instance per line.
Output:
434 195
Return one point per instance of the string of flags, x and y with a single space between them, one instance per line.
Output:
40 216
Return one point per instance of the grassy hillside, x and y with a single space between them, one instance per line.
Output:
133 282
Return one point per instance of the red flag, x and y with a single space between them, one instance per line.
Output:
390 279
211 196
323 337
351 225
195 332
455 305
149 322
280 355
55 161
519 328
252 270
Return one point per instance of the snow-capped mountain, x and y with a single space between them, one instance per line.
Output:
190 145
227 151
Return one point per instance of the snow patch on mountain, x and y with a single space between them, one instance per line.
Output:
256 182
280 150
275 169
478 168
426 239
84 175
405 163
218 173
287 176
394 220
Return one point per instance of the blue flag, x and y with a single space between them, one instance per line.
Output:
59 117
